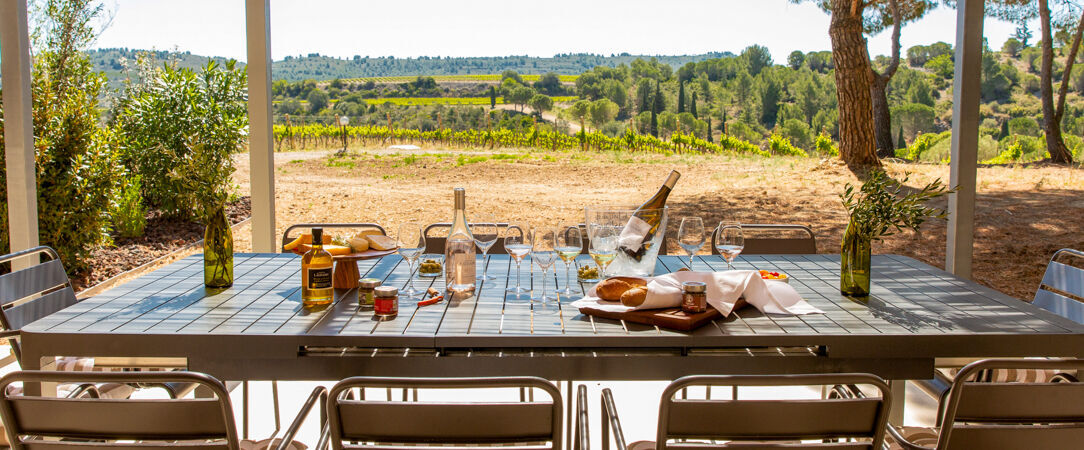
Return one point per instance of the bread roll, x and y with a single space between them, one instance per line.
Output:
634 297
611 289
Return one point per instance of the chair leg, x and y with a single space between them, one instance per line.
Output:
244 410
275 399
568 423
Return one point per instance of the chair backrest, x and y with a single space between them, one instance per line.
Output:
744 421
37 423
518 424
1013 415
774 239
32 293
286 238
434 241
1062 289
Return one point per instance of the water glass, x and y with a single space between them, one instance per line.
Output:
569 245
485 236
518 241
411 241
730 241
691 236
544 255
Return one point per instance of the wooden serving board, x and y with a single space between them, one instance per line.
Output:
368 254
670 318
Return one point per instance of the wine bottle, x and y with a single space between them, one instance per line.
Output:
316 265
645 222
459 249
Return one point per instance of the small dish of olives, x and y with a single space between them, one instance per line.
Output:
431 266
587 274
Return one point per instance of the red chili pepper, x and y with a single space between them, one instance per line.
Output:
431 301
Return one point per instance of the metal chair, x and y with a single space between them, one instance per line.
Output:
800 239
762 423
1014 415
39 423
286 238
435 243
421 424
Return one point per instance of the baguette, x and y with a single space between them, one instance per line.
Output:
611 289
634 297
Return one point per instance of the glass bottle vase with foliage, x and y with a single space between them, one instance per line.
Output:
198 173
881 207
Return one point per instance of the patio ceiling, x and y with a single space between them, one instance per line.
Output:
19 139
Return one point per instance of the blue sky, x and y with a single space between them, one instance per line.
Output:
492 27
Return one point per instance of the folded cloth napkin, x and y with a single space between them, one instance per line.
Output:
724 289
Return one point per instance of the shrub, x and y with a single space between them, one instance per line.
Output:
798 133
76 167
180 130
923 142
780 145
826 147
1025 126
128 214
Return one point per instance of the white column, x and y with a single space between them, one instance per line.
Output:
22 187
965 136
260 140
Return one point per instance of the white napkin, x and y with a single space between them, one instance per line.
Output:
724 289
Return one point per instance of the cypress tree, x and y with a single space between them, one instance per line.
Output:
692 105
654 124
722 126
1004 130
660 102
709 129
902 143
681 96
492 97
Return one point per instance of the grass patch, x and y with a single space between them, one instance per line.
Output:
297 161
342 163
463 160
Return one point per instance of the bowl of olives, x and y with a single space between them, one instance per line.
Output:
587 274
431 266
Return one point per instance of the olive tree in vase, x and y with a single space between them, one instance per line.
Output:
879 208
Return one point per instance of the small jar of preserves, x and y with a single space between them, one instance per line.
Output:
367 292
386 302
694 297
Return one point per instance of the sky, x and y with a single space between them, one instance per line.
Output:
410 28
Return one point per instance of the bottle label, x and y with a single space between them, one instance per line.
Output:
320 278
634 234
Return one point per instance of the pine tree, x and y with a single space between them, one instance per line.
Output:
681 96
902 143
692 106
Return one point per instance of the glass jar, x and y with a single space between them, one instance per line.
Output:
386 302
367 292
694 297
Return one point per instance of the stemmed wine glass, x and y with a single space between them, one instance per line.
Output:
518 240
411 240
544 254
603 246
568 244
485 236
730 241
691 236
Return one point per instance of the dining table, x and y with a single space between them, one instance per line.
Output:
917 316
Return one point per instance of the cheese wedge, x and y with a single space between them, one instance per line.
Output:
369 232
359 244
380 242
335 250
305 239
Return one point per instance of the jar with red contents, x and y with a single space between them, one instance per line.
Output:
385 302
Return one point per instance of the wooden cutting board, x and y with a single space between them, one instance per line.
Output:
670 318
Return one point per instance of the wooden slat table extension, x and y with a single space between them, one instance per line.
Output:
258 330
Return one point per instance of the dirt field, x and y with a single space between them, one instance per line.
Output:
1024 213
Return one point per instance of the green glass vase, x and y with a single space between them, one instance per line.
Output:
218 251
854 268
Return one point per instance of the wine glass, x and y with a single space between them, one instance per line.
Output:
730 241
411 240
691 236
485 236
603 246
568 244
544 254
518 240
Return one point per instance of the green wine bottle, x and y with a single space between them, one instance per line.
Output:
645 222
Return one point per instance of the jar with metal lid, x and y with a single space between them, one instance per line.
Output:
694 297
366 292
386 302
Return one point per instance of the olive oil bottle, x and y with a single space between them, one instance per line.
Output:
316 268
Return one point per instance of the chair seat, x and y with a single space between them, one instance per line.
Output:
650 445
924 436
1011 375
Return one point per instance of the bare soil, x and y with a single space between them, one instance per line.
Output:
1024 214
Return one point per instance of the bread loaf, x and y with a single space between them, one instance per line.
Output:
634 297
611 289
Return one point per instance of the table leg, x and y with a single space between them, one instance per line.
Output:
39 389
899 399
346 275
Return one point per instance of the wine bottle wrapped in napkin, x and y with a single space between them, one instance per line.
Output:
724 290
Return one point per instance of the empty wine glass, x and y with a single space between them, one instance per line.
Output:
691 236
603 246
411 240
544 254
569 244
518 240
485 236
730 241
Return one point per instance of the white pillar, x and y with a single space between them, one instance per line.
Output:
22 186
965 136
260 139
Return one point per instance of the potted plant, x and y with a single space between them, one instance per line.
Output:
880 208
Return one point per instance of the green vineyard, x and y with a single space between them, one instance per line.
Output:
488 78
315 136
423 101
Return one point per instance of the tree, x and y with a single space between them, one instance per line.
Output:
602 111
520 96
756 58
770 93
681 96
580 111
692 106
1023 34
541 103
492 97
1012 47
796 59
901 142
511 75
318 100
645 94
549 84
